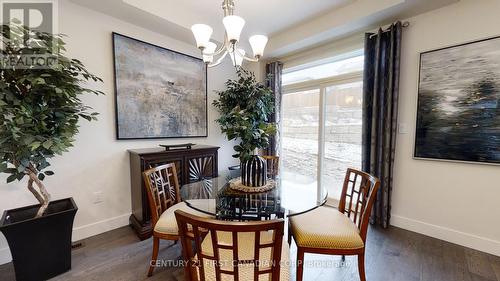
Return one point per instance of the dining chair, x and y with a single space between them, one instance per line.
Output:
342 231
273 163
222 250
162 187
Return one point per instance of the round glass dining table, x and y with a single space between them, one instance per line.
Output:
213 196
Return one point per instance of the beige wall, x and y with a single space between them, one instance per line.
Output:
98 162
456 202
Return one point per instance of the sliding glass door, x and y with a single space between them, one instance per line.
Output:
342 134
321 126
300 127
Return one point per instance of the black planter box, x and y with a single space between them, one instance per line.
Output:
40 247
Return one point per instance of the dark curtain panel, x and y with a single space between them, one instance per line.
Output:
273 73
380 110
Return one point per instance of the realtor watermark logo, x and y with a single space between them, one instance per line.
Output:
27 34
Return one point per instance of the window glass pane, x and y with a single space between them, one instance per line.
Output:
299 155
342 134
335 68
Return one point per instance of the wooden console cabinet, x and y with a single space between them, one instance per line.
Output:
192 165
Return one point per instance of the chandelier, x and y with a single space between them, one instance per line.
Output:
233 25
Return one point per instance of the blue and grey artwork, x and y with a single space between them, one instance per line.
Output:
459 103
159 93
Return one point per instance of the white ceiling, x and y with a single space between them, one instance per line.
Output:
262 16
292 25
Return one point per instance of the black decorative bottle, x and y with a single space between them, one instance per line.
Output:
254 171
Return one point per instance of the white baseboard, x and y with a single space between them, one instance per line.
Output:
82 232
447 234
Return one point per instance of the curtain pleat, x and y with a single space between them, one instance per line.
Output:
274 72
380 110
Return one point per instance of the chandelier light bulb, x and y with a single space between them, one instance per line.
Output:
234 25
208 52
202 34
258 44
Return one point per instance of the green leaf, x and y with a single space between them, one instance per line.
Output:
49 173
35 145
39 108
11 178
10 170
47 144
41 176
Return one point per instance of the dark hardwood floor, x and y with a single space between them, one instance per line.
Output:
392 255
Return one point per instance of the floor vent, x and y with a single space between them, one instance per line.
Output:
77 245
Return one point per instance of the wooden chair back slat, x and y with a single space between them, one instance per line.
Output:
273 164
162 187
193 230
358 195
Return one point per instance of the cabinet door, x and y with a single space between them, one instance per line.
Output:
151 163
200 167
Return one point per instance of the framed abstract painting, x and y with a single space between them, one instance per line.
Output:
159 93
458 114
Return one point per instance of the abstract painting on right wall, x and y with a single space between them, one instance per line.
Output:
458 114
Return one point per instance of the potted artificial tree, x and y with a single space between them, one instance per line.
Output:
39 113
245 107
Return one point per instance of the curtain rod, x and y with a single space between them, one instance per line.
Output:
403 24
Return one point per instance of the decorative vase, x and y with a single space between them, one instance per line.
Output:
254 171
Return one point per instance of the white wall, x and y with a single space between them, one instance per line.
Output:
453 201
98 162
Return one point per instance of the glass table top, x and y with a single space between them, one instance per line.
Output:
214 196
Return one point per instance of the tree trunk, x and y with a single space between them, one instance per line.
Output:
34 191
42 195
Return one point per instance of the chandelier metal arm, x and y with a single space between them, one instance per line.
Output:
222 47
245 57
219 61
250 59
233 25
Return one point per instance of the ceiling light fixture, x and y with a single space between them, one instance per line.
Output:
233 26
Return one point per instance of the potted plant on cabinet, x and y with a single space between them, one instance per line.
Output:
244 108
39 113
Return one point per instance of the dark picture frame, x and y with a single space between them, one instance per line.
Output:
120 134
458 105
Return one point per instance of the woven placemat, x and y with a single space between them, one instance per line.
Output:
237 185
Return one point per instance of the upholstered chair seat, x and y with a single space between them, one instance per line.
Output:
162 187
325 228
167 224
341 231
